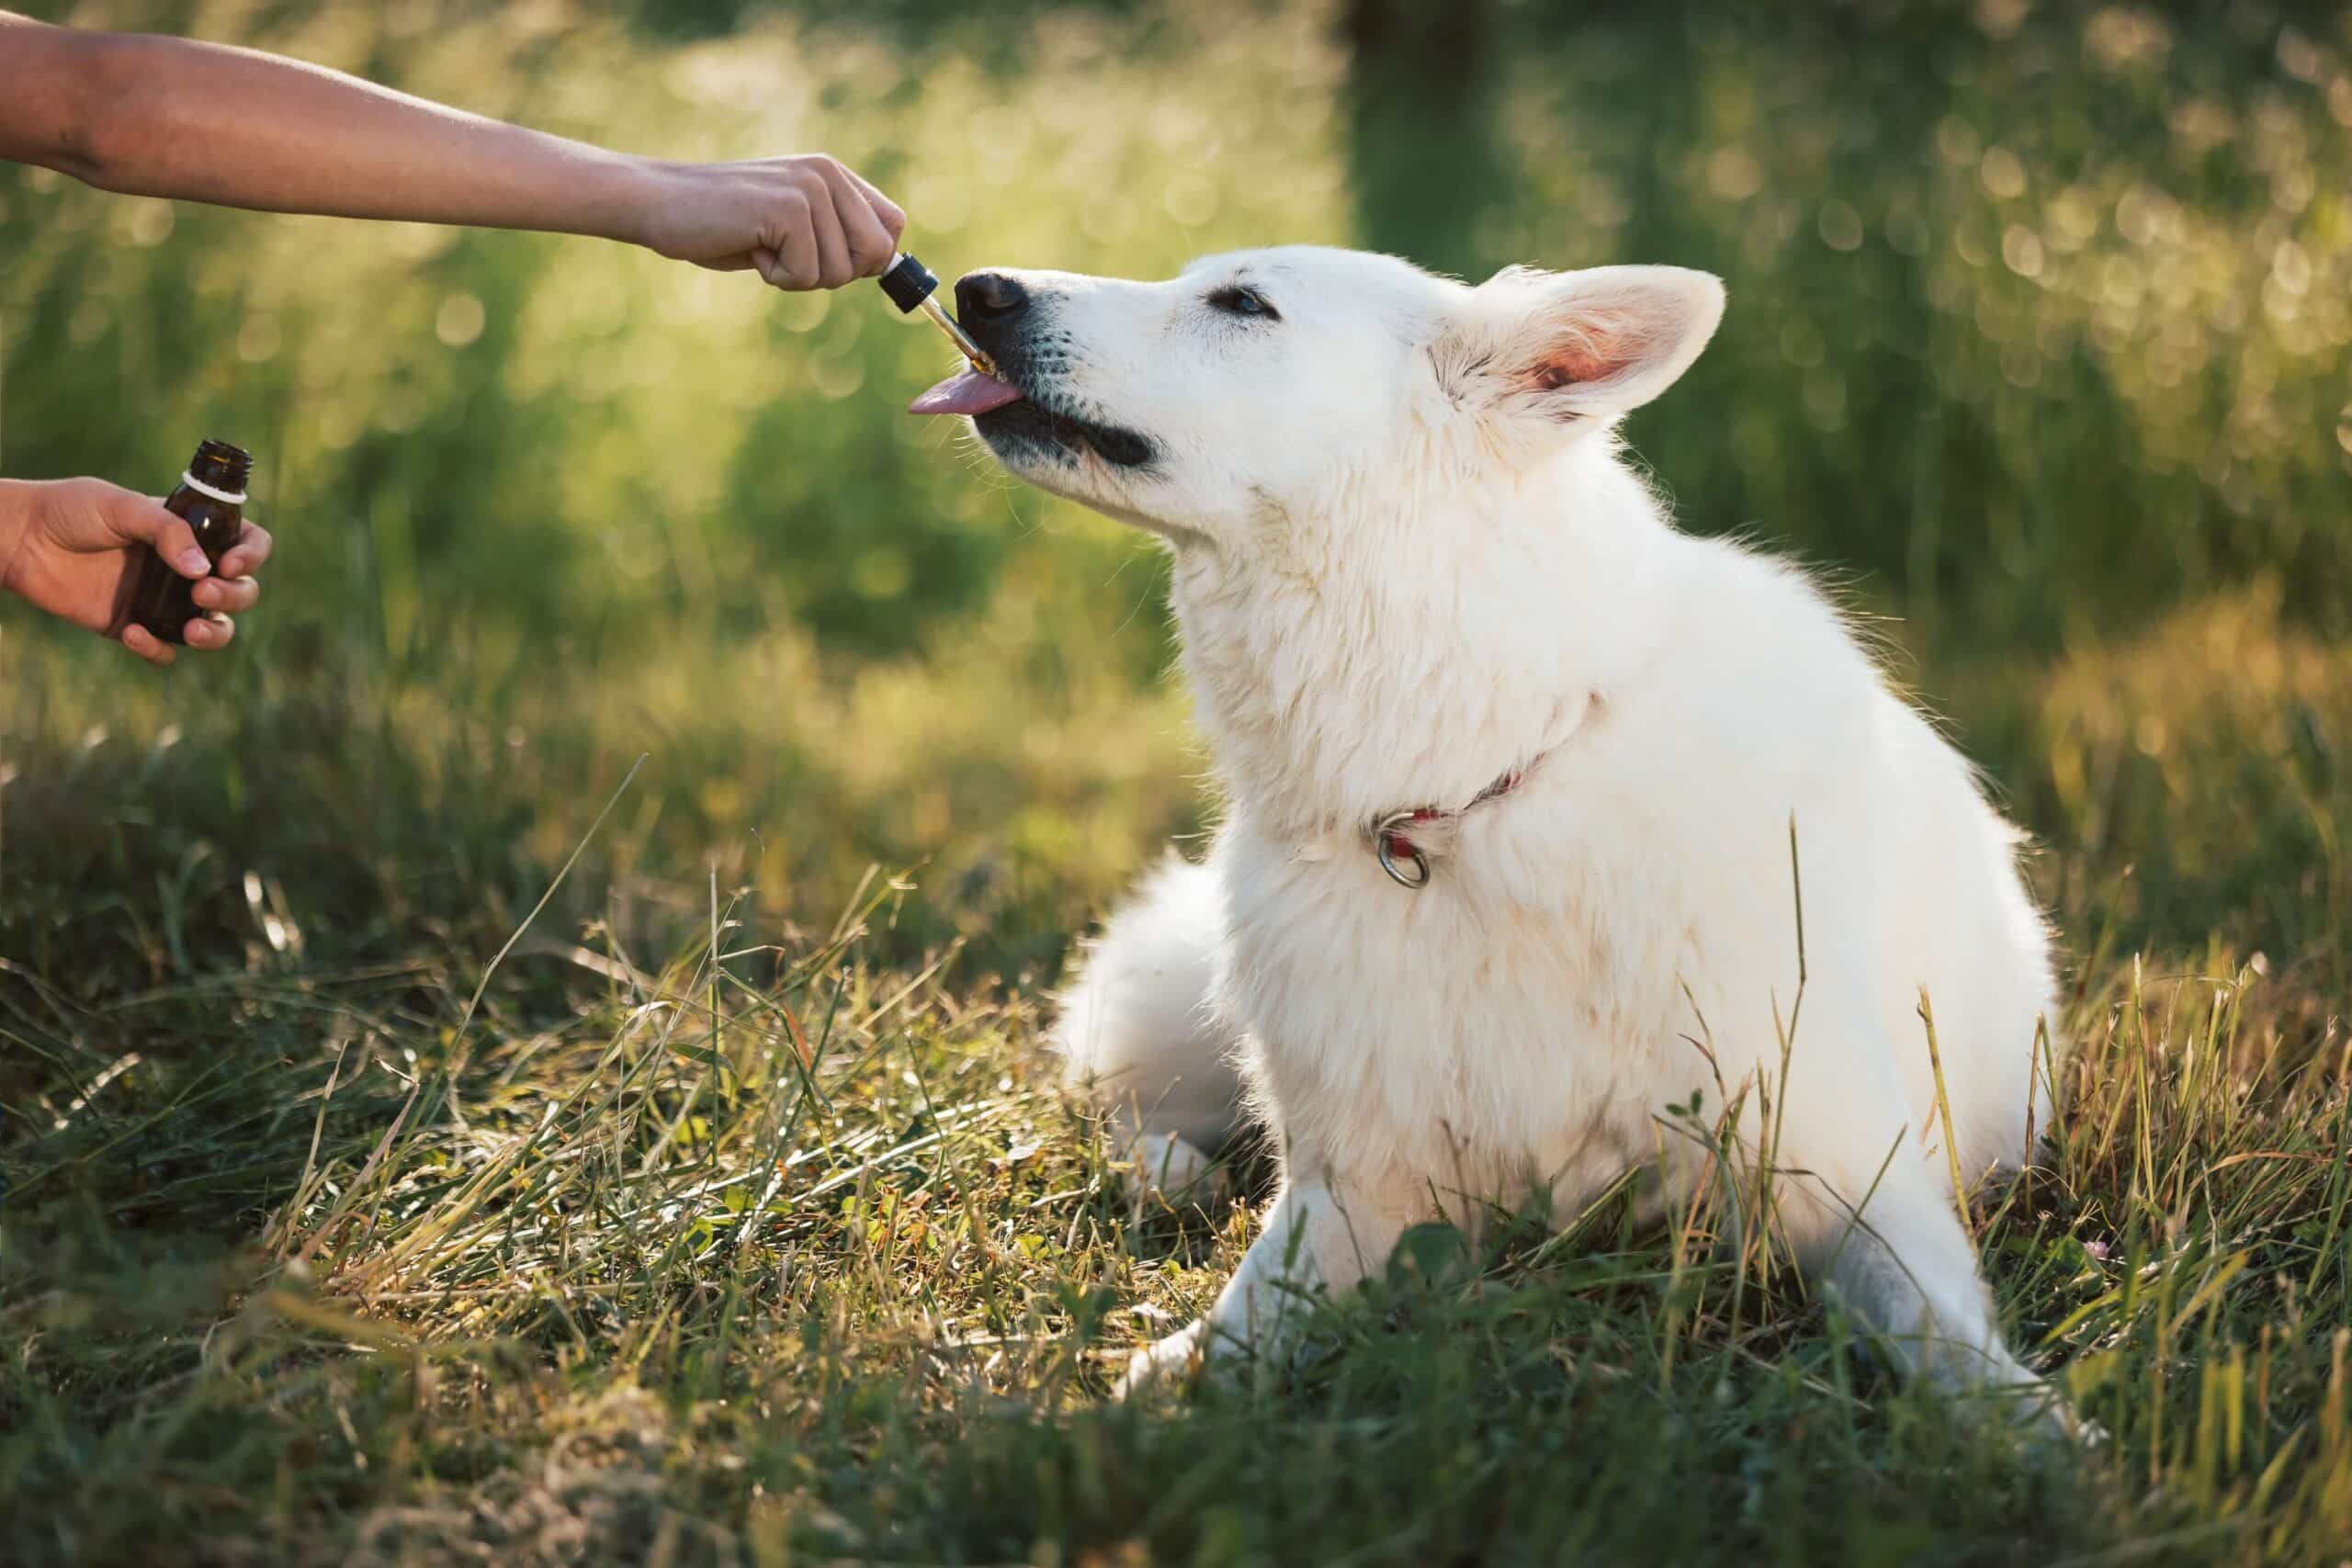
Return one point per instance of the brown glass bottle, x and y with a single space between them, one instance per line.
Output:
210 498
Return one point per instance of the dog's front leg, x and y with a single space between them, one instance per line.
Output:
1870 1211
1898 1259
1322 1234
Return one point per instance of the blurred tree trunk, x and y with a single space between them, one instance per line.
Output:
1423 151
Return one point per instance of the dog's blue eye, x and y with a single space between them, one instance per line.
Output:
1238 302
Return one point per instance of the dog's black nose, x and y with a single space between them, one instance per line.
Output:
986 299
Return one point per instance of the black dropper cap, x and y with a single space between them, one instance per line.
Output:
908 283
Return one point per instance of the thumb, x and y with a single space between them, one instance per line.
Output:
141 519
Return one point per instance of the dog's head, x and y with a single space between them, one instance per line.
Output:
1254 386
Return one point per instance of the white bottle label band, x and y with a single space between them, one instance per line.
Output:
230 498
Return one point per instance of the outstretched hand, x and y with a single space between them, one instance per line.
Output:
801 223
66 545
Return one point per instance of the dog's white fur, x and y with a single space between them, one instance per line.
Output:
1409 559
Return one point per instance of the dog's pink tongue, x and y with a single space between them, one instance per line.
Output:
966 391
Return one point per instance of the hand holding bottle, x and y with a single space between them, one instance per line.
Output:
72 546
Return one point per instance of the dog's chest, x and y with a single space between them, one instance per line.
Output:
1449 1025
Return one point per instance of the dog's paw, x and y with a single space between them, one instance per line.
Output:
1169 1361
2040 1409
2055 1422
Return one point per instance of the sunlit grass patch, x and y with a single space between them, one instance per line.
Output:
765 1243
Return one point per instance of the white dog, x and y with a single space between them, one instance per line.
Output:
1543 815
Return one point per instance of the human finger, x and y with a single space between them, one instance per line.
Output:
252 548
148 646
209 632
230 595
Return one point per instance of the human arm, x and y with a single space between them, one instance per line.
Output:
164 117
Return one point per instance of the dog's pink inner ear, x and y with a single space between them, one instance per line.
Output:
1591 351
1567 346
1568 369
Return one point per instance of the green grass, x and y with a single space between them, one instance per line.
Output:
362 1206
340 1227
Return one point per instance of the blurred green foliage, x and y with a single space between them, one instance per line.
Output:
2039 324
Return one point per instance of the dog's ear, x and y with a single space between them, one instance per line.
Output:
1572 346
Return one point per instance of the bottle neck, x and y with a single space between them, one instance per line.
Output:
220 471
225 497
